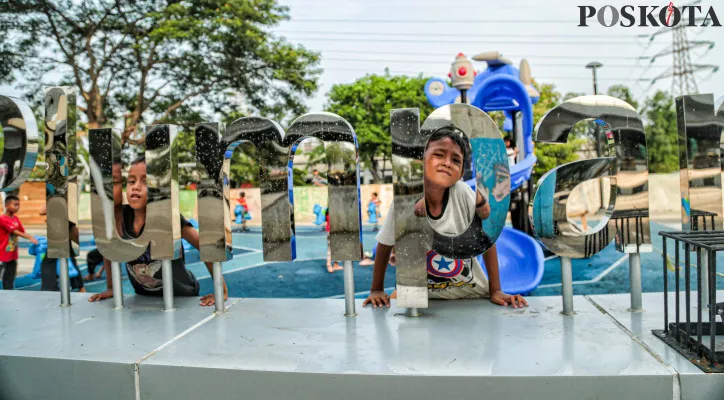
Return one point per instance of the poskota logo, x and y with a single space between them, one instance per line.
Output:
669 15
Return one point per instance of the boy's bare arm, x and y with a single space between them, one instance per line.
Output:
25 235
108 293
377 296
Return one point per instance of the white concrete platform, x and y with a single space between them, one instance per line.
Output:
306 349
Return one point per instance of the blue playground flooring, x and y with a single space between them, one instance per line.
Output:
248 276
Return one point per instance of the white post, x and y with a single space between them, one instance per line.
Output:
117 287
634 262
349 308
167 277
218 288
567 286
64 283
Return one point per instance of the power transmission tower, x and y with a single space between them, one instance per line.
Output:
683 70
683 81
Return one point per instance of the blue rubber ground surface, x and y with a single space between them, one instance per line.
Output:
307 277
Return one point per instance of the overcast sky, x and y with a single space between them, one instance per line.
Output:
357 37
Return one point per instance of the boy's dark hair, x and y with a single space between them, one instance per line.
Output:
457 137
140 159
242 194
11 197
374 194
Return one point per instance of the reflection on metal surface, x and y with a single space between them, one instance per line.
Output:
162 227
60 156
628 174
340 144
277 212
699 158
414 236
20 147
213 206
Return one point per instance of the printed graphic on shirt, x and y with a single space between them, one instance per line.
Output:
443 272
12 244
144 273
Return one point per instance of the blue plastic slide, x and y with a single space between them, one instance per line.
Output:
519 261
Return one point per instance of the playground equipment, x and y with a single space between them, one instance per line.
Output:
503 87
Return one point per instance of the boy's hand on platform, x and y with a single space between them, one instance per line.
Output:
101 296
377 298
503 299
209 299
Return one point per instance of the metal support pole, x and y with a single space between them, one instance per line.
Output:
64 283
704 272
117 287
349 310
634 262
218 288
167 278
567 286
413 312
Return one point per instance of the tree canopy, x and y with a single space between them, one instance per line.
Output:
366 105
150 61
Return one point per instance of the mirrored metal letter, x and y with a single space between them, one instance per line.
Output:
162 228
414 236
624 132
345 234
20 135
699 162
61 188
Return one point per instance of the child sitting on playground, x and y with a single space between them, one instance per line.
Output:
144 273
450 205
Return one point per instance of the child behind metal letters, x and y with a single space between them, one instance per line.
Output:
450 205
144 272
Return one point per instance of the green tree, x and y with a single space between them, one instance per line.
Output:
624 93
144 60
366 105
661 133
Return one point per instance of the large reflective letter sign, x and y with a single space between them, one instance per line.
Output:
214 149
414 236
625 136
699 162
345 233
60 155
20 136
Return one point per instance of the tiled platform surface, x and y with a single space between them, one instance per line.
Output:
306 349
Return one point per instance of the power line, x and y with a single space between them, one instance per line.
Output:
452 54
439 62
410 72
455 35
462 40
433 21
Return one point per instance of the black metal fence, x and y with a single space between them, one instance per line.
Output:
688 336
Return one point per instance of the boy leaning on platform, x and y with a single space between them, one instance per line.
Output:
450 205
144 273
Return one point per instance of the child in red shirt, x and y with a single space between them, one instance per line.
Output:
10 229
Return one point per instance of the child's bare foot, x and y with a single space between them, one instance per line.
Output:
337 267
329 268
366 261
